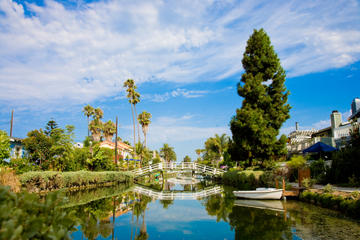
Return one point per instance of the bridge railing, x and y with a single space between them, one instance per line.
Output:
176 167
178 195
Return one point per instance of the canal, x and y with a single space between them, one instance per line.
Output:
175 210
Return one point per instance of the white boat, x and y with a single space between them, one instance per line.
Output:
260 193
275 205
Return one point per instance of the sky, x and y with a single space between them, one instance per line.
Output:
57 56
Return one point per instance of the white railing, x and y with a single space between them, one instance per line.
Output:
178 195
198 168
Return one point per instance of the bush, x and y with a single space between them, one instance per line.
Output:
328 189
349 207
244 180
51 180
24 216
308 182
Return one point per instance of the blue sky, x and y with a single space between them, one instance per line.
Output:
185 56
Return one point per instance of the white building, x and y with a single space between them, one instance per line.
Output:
336 135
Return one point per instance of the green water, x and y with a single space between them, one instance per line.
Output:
138 213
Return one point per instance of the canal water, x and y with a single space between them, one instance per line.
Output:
175 210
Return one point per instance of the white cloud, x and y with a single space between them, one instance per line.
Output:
77 55
179 92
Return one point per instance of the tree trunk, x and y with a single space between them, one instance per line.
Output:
139 140
88 126
132 111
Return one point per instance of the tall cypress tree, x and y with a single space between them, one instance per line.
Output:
264 109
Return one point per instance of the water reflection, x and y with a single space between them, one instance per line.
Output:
136 214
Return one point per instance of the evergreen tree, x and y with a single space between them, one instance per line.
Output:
256 125
50 126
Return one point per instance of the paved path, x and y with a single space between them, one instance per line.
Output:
336 188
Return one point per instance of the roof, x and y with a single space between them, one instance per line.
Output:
355 115
15 139
111 145
322 130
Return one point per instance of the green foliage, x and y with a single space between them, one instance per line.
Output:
350 207
328 188
256 125
101 159
187 159
4 147
346 164
24 216
22 165
215 148
296 162
355 195
52 149
244 180
318 170
168 153
51 180
308 182
37 145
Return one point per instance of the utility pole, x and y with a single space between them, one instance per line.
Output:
11 122
116 140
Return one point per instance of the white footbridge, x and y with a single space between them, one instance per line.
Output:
174 167
172 195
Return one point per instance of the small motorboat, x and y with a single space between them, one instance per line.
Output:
260 193
274 205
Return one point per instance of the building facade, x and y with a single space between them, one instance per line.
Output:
124 150
337 135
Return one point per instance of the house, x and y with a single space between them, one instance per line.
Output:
336 135
298 140
124 150
17 148
355 111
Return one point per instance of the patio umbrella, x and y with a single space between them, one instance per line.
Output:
319 147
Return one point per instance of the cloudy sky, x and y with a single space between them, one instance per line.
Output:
58 55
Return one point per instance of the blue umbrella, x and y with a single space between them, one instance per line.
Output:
319 147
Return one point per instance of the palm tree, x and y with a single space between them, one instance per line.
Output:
144 120
98 113
168 153
88 112
109 129
215 148
135 99
129 84
96 126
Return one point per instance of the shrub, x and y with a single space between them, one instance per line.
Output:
24 216
328 188
243 180
51 180
308 182
355 194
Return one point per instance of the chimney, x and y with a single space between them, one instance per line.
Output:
335 119
296 126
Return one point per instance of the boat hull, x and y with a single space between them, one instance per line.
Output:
264 194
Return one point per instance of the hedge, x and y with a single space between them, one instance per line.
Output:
245 180
51 180
348 206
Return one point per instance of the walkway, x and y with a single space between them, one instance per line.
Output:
174 167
